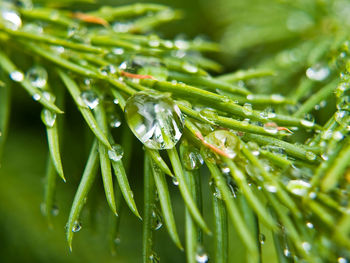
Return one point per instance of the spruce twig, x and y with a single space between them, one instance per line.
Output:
260 143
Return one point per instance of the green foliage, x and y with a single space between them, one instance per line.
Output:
274 141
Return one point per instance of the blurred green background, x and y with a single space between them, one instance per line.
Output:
24 233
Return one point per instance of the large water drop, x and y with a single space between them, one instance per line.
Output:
298 187
318 72
201 255
116 153
225 142
192 158
114 121
48 118
16 76
90 99
76 227
157 219
37 76
9 17
308 121
154 119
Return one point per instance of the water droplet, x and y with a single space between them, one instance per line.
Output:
338 136
116 153
274 149
55 210
114 120
153 41
225 170
208 115
108 70
90 98
190 68
181 43
117 241
25 4
121 27
157 219
233 189
262 238
201 255
37 76
224 141
254 148
58 49
154 258
310 156
9 17
116 101
270 187
308 121
298 187
49 96
78 33
342 117
342 55
127 66
76 226
118 51
33 28
217 193
208 155
342 260
268 113
87 82
271 127
151 67
250 97
225 99
178 53
277 98
175 181
344 75
310 225
306 246
324 156
48 117
321 105
247 109
192 159
319 72
168 44
17 76
341 89
286 252
312 195
154 119
344 103
326 135
36 96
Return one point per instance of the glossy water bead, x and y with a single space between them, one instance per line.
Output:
224 141
155 119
